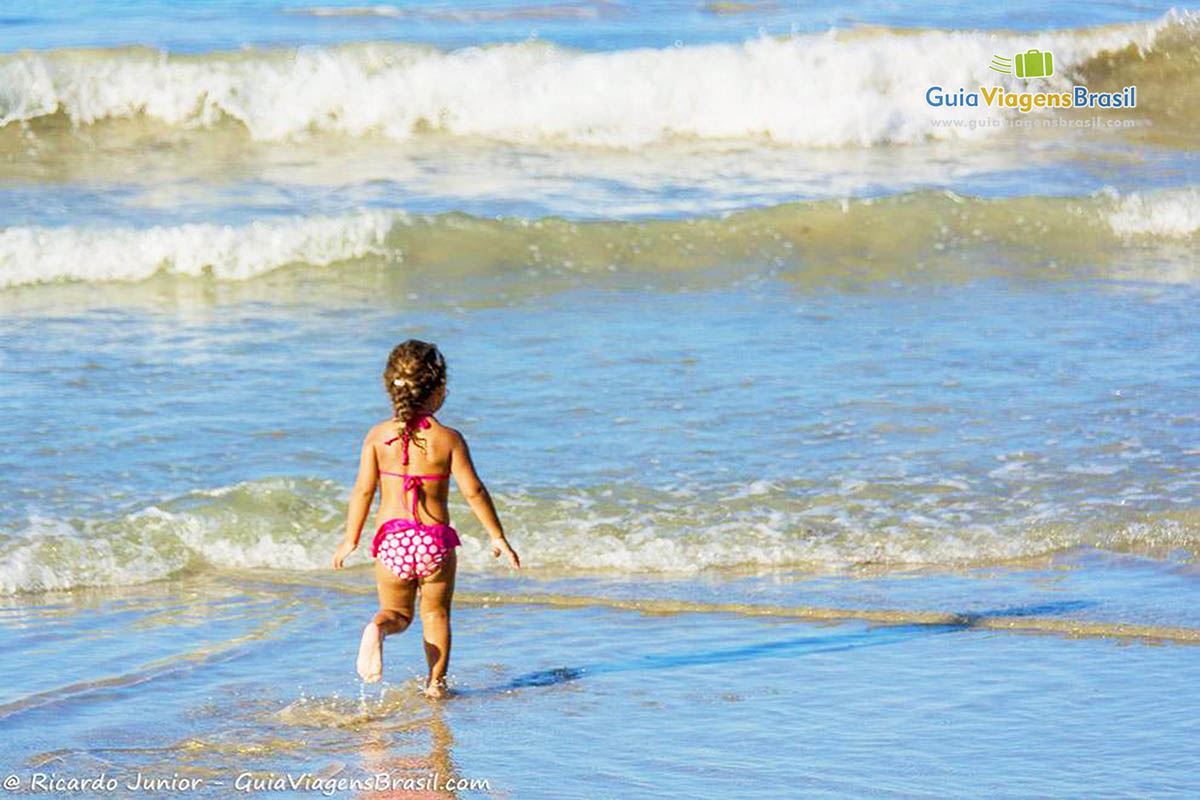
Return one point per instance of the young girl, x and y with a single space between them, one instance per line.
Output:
412 457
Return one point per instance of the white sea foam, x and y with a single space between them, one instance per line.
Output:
92 254
236 527
1173 214
53 555
291 523
41 254
859 87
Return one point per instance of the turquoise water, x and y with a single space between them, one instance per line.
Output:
848 453
896 426
612 703
225 25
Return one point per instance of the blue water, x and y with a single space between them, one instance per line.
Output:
191 27
734 706
846 456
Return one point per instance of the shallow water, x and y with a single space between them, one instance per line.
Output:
849 443
901 426
253 679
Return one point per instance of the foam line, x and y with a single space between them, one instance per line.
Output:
868 85
1001 621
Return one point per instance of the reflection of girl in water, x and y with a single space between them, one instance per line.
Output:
411 458
406 773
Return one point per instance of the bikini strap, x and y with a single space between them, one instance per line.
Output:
413 483
421 420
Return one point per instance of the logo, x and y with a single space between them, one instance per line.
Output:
1030 64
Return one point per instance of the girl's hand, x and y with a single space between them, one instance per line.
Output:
500 546
343 551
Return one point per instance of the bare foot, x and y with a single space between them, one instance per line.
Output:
370 654
435 690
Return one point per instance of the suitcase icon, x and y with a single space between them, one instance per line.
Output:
1034 64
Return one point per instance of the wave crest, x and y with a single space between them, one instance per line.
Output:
921 236
293 524
843 88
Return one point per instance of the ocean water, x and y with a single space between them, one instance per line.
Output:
850 444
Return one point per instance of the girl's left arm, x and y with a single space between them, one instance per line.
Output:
360 501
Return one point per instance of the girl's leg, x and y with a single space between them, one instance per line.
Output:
437 591
396 599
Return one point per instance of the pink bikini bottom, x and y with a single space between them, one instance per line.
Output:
412 550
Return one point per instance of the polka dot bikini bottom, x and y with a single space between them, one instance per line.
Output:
412 550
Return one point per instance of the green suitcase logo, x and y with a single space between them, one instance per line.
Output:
1034 64
1030 64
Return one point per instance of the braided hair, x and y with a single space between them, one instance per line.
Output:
414 372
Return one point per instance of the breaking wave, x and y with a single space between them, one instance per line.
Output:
293 524
858 87
922 235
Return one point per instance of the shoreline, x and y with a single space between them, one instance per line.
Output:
559 701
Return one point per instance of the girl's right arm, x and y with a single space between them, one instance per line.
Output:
361 497
463 470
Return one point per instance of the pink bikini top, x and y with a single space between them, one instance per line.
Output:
413 483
